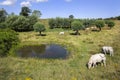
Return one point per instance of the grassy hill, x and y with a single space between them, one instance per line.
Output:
73 68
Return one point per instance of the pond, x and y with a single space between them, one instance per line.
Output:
52 51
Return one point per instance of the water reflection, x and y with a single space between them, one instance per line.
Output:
43 51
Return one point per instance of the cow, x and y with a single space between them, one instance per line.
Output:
96 58
61 33
108 49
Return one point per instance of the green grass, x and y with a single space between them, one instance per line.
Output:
73 68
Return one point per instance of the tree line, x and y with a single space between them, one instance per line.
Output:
79 24
22 22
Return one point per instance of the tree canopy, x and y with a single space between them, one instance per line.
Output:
25 11
38 27
37 13
111 24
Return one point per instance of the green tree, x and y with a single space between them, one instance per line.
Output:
88 22
25 11
111 24
76 26
22 24
3 15
37 13
59 22
38 27
71 18
66 23
32 20
99 24
18 23
10 21
52 23
118 17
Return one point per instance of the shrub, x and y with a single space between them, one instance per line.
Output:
8 39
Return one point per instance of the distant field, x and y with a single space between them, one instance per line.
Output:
73 68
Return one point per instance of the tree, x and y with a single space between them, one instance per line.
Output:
38 27
76 26
66 23
59 22
52 23
37 13
111 24
22 24
10 21
25 11
86 23
99 24
71 17
32 20
118 17
3 15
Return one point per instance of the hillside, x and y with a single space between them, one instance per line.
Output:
74 68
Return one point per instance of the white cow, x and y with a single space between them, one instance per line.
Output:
96 58
108 49
61 33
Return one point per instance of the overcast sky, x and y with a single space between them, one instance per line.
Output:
64 8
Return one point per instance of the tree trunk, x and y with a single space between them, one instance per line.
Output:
100 29
40 33
77 32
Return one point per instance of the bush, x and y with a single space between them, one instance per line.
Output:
8 39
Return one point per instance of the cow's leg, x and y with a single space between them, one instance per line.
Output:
104 62
111 53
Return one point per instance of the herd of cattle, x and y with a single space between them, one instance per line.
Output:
100 57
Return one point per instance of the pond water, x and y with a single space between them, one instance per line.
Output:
43 51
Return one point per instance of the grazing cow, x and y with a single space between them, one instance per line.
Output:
93 28
87 28
108 49
61 33
96 58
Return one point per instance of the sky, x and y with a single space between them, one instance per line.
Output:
64 8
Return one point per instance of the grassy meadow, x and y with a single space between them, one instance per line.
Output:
74 68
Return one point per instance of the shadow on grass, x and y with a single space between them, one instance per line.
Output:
41 35
94 30
74 34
